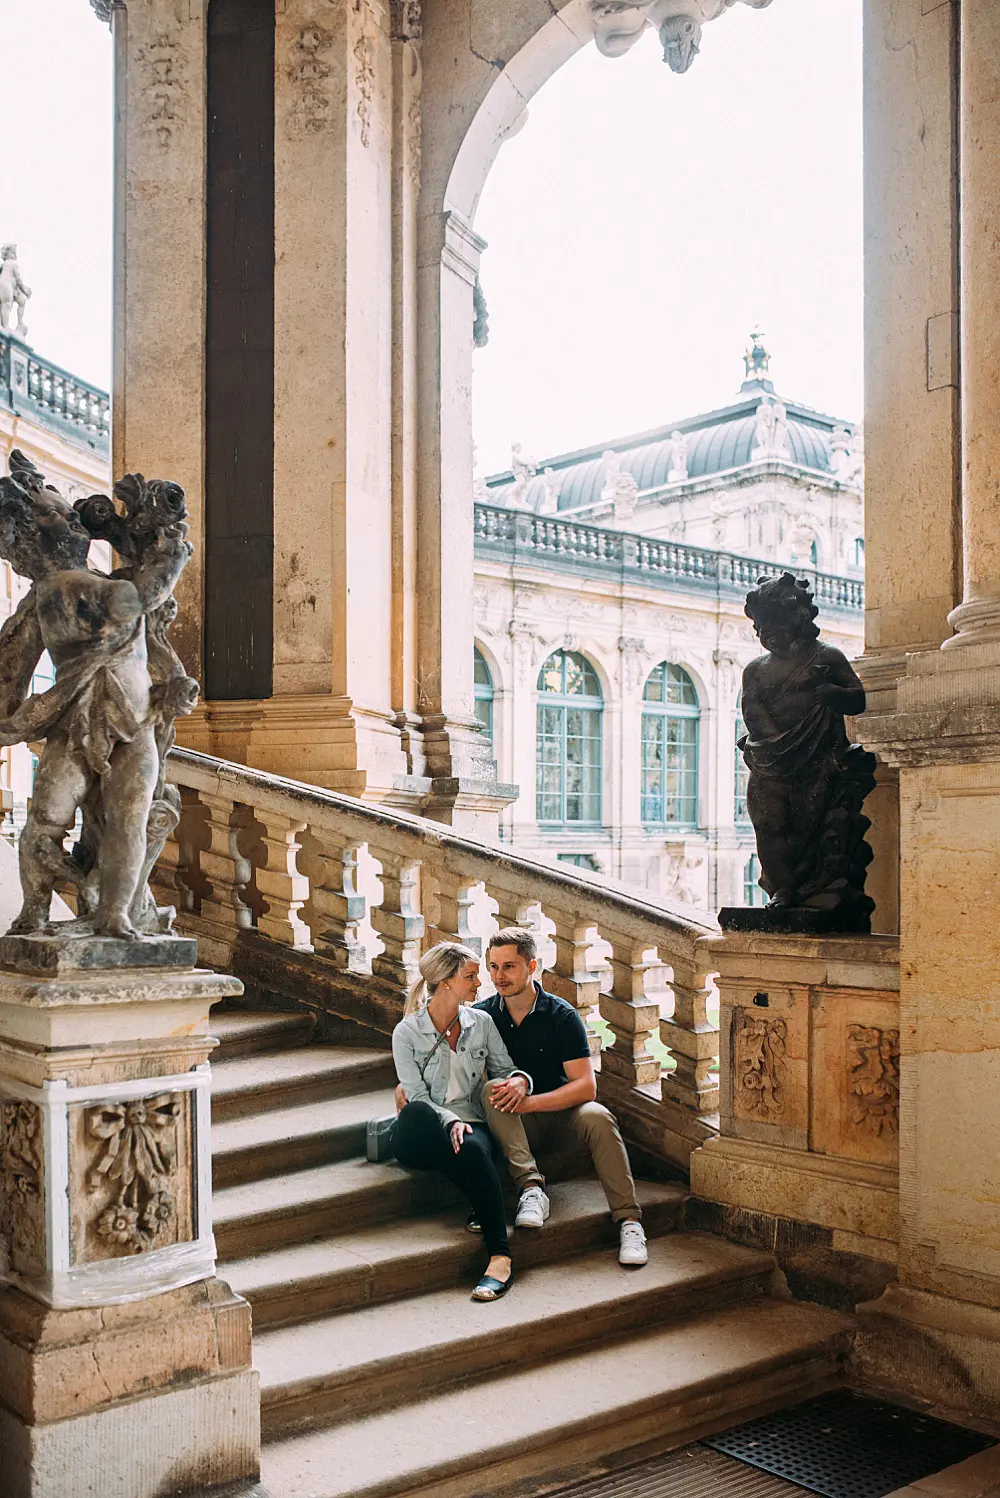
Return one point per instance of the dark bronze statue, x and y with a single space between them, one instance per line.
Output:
807 782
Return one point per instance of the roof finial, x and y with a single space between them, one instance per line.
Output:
757 359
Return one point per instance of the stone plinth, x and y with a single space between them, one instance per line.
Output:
809 1106
120 1351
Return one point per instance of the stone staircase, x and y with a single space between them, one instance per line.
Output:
380 1377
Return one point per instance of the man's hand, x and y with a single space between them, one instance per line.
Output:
458 1132
400 1097
510 1095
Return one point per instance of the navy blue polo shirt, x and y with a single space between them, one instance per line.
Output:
550 1034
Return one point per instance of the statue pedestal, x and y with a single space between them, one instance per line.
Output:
806 1162
120 1352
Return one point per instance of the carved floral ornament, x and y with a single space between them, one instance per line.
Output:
138 1160
20 1182
873 1079
761 1053
618 25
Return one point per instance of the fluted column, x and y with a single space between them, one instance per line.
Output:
977 618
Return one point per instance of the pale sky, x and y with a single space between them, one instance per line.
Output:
642 223
639 226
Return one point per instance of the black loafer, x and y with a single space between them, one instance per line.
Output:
492 1289
473 1225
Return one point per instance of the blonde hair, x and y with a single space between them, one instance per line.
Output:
438 965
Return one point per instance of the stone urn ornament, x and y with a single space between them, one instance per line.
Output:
107 721
807 782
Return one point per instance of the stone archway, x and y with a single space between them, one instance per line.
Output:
467 112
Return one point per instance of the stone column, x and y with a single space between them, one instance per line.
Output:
120 1352
911 301
977 617
158 400
458 758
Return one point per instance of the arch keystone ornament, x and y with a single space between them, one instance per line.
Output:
619 24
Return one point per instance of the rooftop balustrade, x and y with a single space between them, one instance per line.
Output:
39 390
267 873
544 540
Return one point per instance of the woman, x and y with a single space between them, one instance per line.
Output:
443 1050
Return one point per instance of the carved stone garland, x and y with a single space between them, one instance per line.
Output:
22 1225
873 1079
760 1064
139 1157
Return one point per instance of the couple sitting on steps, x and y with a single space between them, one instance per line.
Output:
460 1091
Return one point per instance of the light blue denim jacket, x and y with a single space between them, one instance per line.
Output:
480 1054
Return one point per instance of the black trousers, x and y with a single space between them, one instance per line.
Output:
423 1142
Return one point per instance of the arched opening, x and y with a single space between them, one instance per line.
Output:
483 691
568 747
670 724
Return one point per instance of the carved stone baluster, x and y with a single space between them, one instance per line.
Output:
570 977
632 1015
456 897
284 888
175 876
337 905
224 866
398 920
693 1041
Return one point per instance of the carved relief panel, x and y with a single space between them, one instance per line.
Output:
855 1072
767 1063
22 1188
761 1081
131 1176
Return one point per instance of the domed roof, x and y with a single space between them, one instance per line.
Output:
717 442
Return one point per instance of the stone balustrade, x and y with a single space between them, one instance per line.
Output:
268 874
544 540
36 388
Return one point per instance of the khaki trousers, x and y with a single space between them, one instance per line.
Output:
521 1134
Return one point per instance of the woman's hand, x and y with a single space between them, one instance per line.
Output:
458 1132
508 1095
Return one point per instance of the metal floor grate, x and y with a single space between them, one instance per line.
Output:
843 1445
694 1472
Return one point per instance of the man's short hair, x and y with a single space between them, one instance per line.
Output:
515 936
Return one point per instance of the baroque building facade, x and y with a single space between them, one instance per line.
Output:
611 637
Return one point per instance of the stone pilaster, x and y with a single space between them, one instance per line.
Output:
120 1352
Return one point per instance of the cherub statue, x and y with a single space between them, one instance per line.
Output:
807 781
108 720
13 291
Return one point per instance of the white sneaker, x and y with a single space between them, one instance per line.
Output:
633 1245
532 1209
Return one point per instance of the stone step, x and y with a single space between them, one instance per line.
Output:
324 1199
249 1032
292 1284
651 1392
289 1139
360 1361
309 1074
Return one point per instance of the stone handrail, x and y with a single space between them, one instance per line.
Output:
35 387
544 540
257 856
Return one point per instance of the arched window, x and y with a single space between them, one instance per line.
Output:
483 692
740 813
670 748
752 892
814 553
568 741
859 551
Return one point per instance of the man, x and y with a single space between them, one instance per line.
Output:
547 1040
